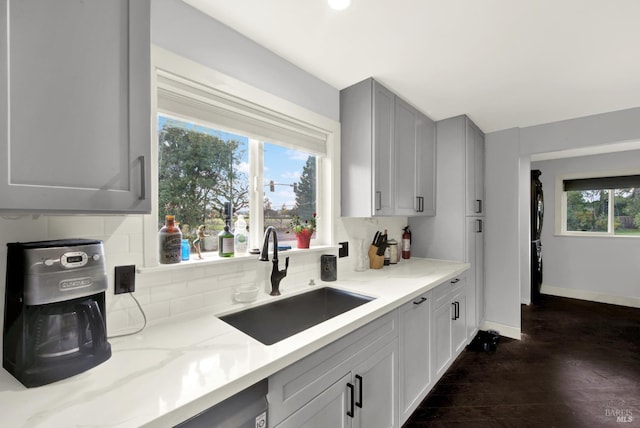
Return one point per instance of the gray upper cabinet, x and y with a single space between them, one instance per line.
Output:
75 106
388 154
426 166
474 146
367 123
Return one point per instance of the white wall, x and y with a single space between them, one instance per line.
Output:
180 28
165 294
595 268
586 132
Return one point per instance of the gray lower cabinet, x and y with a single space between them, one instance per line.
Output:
377 375
449 324
351 382
327 409
414 370
75 112
475 275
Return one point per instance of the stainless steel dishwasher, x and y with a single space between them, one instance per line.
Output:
246 409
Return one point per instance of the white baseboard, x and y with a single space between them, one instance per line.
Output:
504 330
592 296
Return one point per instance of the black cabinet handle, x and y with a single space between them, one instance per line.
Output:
455 281
359 380
478 226
143 177
378 200
457 307
478 206
453 317
351 410
421 301
420 200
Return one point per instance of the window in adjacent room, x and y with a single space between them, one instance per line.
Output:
602 205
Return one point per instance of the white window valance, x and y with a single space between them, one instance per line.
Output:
180 96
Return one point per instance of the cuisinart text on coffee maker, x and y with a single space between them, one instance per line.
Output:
54 312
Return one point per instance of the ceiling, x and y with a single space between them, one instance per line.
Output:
505 63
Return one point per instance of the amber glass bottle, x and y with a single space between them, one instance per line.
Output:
170 241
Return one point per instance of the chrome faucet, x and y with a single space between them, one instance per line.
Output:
276 273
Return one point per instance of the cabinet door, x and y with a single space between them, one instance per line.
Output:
442 336
328 409
405 146
414 353
426 169
376 388
75 109
383 155
474 147
459 323
475 275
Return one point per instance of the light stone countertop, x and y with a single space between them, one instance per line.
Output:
174 370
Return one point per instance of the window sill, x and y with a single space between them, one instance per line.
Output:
211 259
593 235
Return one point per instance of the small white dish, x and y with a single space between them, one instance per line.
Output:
245 294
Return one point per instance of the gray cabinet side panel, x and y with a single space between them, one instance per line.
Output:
356 150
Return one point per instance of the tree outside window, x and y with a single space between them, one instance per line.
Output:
612 211
200 169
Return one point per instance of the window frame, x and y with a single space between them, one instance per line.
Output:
328 195
561 205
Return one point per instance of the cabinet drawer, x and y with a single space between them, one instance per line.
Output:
296 385
442 294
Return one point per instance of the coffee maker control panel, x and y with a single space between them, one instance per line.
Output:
61 270
74 259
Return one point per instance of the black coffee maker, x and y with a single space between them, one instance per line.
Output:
54 312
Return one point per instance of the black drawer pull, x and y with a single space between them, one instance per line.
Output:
421 301
359 380
455 281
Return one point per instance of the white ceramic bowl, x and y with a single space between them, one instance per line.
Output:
245 294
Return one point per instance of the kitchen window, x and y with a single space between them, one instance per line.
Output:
203 170
601 206
215 147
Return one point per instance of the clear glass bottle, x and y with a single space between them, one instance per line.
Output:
241 236
225 242
170 241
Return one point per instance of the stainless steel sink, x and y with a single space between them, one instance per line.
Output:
280 319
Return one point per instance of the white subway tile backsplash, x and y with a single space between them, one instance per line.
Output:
184 305
116 244
75 226
123 225
167 293
175 292
157 311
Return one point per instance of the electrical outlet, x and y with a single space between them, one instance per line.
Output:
125 279
344 249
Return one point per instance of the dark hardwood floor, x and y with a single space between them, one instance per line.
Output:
577 365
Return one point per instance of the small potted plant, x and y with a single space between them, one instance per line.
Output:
303 230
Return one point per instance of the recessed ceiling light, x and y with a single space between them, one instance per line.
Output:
339 4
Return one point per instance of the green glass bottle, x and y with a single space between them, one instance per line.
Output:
225 242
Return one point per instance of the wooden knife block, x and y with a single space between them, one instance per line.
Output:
375 261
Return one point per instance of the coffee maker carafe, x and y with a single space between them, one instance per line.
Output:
54 319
